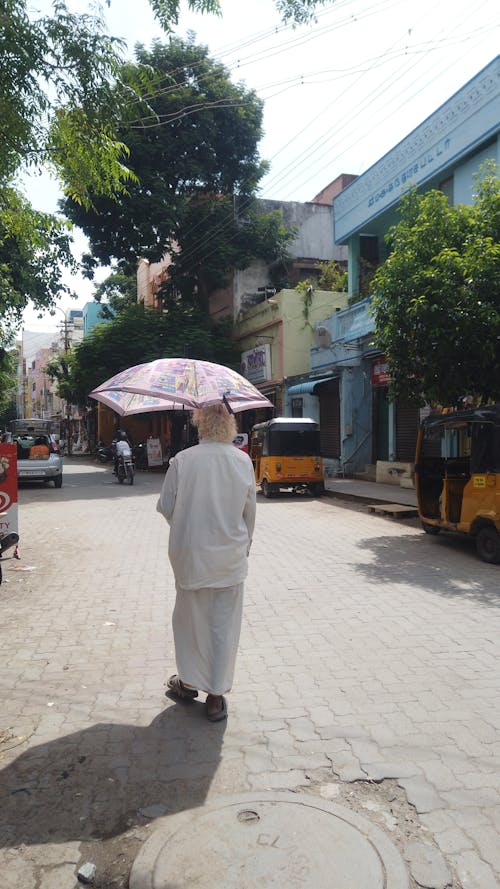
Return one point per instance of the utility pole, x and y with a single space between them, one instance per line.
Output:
69 440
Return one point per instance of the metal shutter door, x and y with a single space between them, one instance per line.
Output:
329 418
407 423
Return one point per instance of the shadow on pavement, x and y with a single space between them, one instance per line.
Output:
91 484
94 783
446 564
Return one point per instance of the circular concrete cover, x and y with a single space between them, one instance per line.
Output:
277 841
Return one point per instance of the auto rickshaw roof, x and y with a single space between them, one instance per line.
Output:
296 422
488 413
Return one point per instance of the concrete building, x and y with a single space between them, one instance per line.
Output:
311 246
445 151
275 337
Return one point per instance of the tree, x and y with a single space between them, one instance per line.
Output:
8 365
33 248
135 336
333 277
119 291
193 142
61 100
57 91
193 132
437 296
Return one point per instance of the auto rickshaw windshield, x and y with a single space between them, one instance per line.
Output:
293 443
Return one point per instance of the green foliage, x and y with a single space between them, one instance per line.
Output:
118 291
33 247
8 367
58 104
191 133
333 277
297 11
62 101
135 336
202 262
437 302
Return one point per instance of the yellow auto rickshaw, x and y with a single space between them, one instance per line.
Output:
457 476
286 454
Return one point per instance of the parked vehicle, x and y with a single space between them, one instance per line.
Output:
457 476
104 453
38 455
286 453
139 453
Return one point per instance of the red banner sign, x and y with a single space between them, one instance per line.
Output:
380 372
8 489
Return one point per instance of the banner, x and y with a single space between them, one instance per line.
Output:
8 489
155 456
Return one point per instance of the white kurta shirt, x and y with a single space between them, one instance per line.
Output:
208 498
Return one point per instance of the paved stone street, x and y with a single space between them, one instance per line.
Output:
368 675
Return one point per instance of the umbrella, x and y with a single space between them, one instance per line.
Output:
173 383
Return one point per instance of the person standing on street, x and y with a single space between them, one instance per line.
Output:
208 499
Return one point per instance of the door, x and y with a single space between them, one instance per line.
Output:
381 424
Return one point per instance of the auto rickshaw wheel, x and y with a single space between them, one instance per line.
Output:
266 488
488 544
317 489
430 529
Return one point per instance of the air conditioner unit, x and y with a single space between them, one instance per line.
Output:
322 337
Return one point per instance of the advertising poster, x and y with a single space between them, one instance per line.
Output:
155 456
8 489
241 441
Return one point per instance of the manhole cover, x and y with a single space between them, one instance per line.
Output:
270 840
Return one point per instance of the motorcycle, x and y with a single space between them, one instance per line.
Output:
104 453
140 456
125 469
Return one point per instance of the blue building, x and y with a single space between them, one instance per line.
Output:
348 384
92 316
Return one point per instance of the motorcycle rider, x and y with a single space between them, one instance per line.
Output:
121 447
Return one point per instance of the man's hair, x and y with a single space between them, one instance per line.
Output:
215 423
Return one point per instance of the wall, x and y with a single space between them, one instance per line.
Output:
92 317
463 177
314 222
458 128
281 320
329 192
150 276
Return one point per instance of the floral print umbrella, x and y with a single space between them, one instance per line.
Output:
174 383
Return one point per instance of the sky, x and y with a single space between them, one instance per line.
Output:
338 93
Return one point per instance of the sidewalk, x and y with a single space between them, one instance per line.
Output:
370 492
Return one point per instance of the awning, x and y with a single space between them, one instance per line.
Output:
308 386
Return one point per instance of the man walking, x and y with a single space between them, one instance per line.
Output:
208 499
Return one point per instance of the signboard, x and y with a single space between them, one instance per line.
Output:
8 489
256 363
241 441
445 138
155 456
380 372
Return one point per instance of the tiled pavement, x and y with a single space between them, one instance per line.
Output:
368 673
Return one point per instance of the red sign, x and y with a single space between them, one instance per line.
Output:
380 372
8 489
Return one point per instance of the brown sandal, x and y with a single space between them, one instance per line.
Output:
177 687
219 715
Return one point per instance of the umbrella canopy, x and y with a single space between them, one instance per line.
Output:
173 383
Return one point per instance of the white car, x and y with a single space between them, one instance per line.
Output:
38 455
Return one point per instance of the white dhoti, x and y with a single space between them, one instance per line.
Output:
207 625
